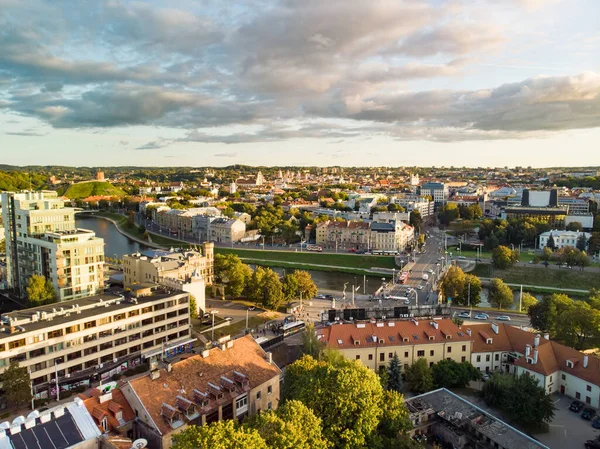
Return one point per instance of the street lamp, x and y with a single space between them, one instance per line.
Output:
393 276
213 313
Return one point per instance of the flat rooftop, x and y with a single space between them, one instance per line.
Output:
63 313
460 413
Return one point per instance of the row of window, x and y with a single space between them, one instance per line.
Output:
420 353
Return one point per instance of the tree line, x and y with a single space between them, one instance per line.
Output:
262 285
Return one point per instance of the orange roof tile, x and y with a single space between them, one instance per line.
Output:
195 373
108 408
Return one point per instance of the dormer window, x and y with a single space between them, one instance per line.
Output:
570 364
489 341
105 424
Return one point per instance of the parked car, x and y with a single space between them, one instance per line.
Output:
596 422
464 315
503 318
328 296
228 318
481 316
592 444
485 377
588 413
419 287
320 296
576 406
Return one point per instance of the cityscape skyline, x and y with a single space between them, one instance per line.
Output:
415 83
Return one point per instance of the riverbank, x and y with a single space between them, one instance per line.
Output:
119 222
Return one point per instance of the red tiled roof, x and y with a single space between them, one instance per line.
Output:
107 408
195 373
393 333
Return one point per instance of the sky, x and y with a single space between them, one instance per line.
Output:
300 82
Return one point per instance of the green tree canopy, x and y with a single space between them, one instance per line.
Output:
453 283
292 426
311 345
527 300
265 288
16 384
40 291
394 379
230 270
193 307
346 395
419 377
500 294
503 257
451 374
219 435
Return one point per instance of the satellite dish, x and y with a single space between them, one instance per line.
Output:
139 444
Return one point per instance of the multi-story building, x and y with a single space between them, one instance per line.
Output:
41 239
231 381
557 367
375 344
226 230
554 216
412 202
436 190
184 270
391 236
562 238
344 234
92 337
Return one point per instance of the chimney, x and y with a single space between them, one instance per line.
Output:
270 358
536 341
527 350
535 356
469 332
585 360
495 328
547 336
169 367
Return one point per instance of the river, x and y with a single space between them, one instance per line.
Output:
117 244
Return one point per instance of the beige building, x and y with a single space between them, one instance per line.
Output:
234 380
94 337
391 236
41 239
374 344
185 270
226 230
343 235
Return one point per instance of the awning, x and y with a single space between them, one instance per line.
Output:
166 347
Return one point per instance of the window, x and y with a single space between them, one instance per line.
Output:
588 400
370 356
577 395
497 357
463 359
464 348
357 356
406 354
478 358
449 348
258 396
241 402
420 353
382 357
588 388
487 358
270 406
431 353
390 355
16 344
269 389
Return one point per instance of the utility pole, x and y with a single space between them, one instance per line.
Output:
364 284
57 384
521 299
247 311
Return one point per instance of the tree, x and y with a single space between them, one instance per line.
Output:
546 254
448 213
347 396
471 293
193 307
230 270
503 257
453 283
394 381
544 313
265 287
395 421
594 243
551 243
500 294
292 426
311 345
16 384
219 435
289 285
306 285
392 207
40 291
574 226
416 221
419 377
527 301
451 374
576 324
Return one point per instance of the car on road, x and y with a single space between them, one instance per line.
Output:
503 318
481 316
406 302
576 406
252 308
485 377
228 318
320 296
461 257
328 296
419 287
596 422
464 315
588 413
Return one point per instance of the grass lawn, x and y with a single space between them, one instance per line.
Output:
338 260
541 276
93 188
523 257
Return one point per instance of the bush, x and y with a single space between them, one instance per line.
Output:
79 389
36 403
66 394
116 377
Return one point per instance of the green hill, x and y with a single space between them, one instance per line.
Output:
93 188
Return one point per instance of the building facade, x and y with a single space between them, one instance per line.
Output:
436 190
234 380
562 238
343 235
226 230
375 344
94 337
41 239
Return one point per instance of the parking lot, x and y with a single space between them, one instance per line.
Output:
568 430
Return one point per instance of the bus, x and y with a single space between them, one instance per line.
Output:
293 328
403 277
314 248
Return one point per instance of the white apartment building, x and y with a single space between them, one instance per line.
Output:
557 367
94 337
41 239
562 238
226 230
437 190
391 236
